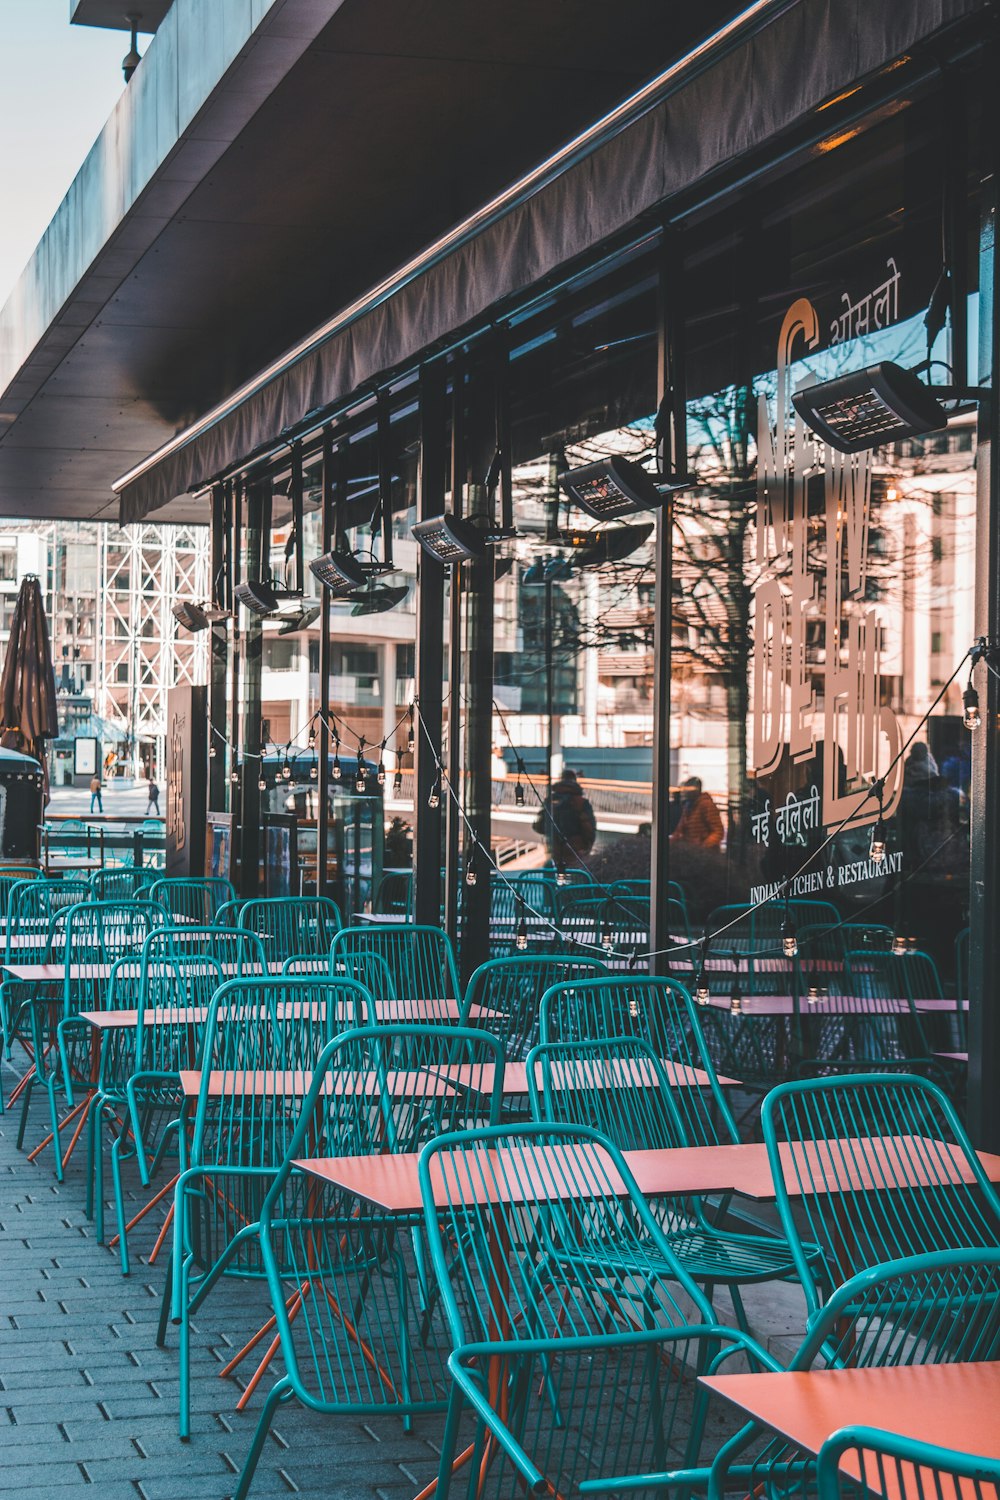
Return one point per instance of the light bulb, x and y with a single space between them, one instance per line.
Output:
816 992
877 847
519 795
471 877
261 784
286 772
561 877
434 800
380 774
736 998
234 777
314 772
212 752
607 942
337 772
898 944
702 993
789 942
359 781
397 782
970 700
311 742
521 940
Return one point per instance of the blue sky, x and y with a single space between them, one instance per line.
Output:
58 85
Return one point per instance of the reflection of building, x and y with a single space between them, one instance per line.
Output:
116 647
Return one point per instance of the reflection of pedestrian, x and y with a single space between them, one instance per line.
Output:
568 823
154 799
95 794
699 822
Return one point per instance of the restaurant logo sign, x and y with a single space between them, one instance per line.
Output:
806 490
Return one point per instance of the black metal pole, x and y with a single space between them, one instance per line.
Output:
431 481
672 457
247 804
453 822
984 935
549 680
222 506
327 482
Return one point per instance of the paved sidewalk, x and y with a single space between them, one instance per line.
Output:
90 1403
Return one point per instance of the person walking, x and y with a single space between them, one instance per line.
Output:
95 794
568 821
700 822
153 805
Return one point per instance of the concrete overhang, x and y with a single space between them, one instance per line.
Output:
117 15
270 160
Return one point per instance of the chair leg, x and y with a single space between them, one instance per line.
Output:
161 1330
29 1083
279 1394
116 1179
738 1307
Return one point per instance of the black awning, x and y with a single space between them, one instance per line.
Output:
789 57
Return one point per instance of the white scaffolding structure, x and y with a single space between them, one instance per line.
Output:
141 649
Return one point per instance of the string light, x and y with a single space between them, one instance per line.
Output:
337 769
561 877
970 702
212 752
877 846
702 993
736 996
380 773
360 781
397 780
607 941
899 944
314 772
410 738
521 939
311 741
261 783
286 770
519 786
789 940
234 776
434 798
471 873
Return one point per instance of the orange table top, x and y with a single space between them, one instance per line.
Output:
955 1406
387 1012
391 1181
431 1081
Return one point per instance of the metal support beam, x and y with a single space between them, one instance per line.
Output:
328 486
222 594
672 458
452 865
431 482
247 804
984 945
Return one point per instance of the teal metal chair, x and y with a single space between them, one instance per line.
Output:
326 1252
94 935
511 989
394 894
292 924
870 1168
417 961
192 900
931 1309
264 1036
620 1087
571 1349
887 1464
306 963
140 1075
523 913
125 883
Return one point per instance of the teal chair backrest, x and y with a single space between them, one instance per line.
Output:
290 925
904 1467
511 989
31 906
661 1012
870 1168
419 960
197 899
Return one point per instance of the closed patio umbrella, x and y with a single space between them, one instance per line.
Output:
28 715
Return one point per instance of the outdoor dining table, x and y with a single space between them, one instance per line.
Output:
389 1012
833 1005
434 1081
954 1405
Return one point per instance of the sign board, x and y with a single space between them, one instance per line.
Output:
85 756
186 781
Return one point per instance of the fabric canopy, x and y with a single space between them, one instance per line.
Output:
706 117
